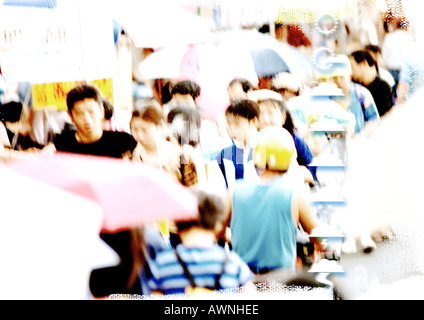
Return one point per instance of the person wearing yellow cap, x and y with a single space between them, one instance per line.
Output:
265 214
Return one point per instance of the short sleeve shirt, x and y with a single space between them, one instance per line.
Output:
362 106
112 144
382 94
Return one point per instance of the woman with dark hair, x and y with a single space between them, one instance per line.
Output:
148 126
184 124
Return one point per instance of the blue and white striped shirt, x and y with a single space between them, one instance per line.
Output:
204 265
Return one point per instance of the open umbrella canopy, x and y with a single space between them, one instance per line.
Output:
158 24
267 61
129 194
49 4
229 55
284 57
164 63
50 240
211 66
227 50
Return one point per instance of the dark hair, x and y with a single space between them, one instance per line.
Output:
245 108
281 105
11 111
373 48
211 208
163 88
192 118
363 55
264 28
81 92
107 105
149 113
245 84
186 87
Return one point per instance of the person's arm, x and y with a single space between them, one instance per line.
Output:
302 212
404 83
304 158
402 91
225 233
4 139
369 129
7 154
371 115
306 218
307 175
49 149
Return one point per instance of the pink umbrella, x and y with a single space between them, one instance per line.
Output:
130 194
57 231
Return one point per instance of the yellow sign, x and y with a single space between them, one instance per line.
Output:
52 96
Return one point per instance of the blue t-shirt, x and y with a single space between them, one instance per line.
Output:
263 232
304 154
362 106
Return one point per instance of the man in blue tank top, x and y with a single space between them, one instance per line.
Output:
265 214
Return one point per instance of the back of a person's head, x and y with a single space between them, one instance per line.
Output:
212 208
107 105
188 114
149 113
363 56
11 111
185 124
245 108
375 49
245 84
163 87
186 87
81 92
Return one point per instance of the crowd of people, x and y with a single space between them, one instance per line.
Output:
252 197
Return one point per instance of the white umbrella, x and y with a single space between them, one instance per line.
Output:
50 241
160 24
163 63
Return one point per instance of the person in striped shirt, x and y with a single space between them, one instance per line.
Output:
209 265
